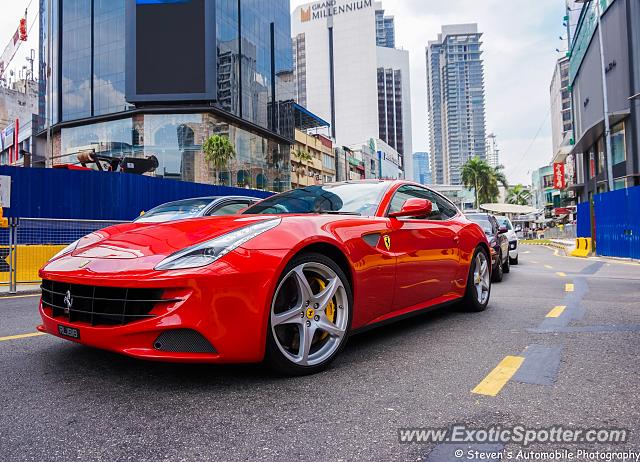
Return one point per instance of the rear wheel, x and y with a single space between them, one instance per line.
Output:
506 266
310 316
478 282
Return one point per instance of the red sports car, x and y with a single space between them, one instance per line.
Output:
287 281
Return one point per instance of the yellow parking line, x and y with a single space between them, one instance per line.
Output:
16 337
20 296
568 287
556 311
498 378
561 274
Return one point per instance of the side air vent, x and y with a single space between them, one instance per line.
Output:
183 341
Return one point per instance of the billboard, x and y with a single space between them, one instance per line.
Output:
558 176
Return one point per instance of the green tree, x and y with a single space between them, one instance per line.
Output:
302 156
518 195
218 151
478 175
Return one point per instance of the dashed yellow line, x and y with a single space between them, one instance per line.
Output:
498 378
16 337
556 311
568 287
561 274
548 266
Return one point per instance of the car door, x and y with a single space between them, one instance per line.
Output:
426 249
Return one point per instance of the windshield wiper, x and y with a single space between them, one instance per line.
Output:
337 212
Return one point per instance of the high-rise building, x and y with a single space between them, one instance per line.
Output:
422 168
148 82
348 75
385 30
455 80
493 153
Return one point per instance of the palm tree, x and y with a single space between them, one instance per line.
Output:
518 195
475 175
497 178
302 156
218 151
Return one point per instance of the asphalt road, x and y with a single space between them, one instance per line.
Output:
62 401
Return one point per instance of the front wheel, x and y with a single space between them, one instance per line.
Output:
478 289
310 316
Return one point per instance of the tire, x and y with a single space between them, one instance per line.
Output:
498 272
506 266
309 323
514 261
472 301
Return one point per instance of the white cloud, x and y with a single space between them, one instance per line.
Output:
519 42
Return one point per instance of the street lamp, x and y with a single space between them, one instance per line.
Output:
605 96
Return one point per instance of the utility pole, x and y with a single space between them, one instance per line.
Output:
605 98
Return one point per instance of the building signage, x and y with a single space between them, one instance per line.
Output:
329 8
558 176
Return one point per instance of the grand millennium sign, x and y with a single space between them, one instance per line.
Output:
330 8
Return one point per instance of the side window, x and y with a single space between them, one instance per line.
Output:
228 209
442 209
447 209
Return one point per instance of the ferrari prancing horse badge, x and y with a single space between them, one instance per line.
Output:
387 242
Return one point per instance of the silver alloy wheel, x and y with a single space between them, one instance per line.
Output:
303 331
481 278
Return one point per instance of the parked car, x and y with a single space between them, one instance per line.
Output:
512 236
498 241
287 281
196 207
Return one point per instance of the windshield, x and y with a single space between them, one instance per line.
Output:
347 198
504 221
178 210
483 221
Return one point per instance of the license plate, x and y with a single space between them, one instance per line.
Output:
67 331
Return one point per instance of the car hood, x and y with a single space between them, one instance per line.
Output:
138 240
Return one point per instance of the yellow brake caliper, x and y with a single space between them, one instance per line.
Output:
330 310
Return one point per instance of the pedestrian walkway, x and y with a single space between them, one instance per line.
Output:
21 289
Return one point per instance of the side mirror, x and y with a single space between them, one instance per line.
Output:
414 207
503 230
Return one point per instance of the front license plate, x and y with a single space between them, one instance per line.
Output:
67 331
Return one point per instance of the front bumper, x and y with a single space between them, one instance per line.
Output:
227 303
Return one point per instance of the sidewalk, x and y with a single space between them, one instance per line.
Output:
22 289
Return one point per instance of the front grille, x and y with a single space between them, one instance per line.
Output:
97 305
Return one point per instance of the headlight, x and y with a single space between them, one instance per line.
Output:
68 249
206 253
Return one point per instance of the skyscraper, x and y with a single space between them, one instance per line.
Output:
422 168
385 29
348 73
493 153
455 81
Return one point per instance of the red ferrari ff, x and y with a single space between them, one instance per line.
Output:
287 281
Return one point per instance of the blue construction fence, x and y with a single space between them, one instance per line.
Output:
93 195
615 216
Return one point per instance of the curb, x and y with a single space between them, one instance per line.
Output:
19 292
554 245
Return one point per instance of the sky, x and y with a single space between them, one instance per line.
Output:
519 43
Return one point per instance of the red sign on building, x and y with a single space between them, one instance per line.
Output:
558 176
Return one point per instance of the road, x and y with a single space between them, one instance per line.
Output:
62 401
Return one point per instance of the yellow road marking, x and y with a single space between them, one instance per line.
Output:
498 378
533 261
16 337
20 296
527 251
568 287
548 266
561 274
556 312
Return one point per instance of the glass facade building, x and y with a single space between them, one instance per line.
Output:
102 100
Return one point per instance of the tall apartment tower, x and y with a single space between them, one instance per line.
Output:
493 153
348 72
456 101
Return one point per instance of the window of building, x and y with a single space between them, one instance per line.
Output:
617 144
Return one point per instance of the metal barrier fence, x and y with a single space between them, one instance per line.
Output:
29 243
